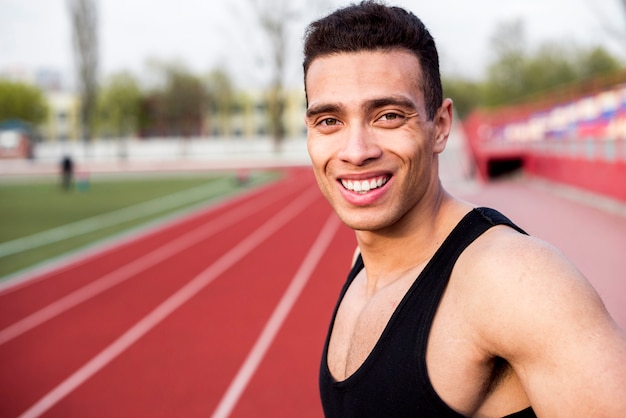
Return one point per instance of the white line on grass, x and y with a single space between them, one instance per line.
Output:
37 272
172 303
129 270
112 218
279 315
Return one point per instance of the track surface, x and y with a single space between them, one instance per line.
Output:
224 313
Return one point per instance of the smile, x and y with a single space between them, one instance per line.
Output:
364 186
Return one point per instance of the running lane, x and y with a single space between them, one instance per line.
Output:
224 312
165 330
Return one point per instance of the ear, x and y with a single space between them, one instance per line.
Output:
443 125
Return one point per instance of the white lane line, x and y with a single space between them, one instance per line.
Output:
64 262
279 315
172 303
108 219
129 270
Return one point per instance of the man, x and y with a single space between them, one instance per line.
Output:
67 172
449 310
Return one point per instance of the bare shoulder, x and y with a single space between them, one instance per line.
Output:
531 306
514 265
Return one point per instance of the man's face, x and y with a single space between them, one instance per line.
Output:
370 142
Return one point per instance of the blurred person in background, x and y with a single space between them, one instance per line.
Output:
449 309
67 173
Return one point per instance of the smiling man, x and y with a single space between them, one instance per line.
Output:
449 310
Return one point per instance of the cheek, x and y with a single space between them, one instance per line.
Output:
319 156
319 165
411 152
313 155
319 153
310 145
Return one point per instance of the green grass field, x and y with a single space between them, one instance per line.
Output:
39 221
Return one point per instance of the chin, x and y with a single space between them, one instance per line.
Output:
360 223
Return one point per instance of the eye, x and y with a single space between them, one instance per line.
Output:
329 122
390 120
327 125
390 117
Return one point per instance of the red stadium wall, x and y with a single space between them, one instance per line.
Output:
580 141
598 176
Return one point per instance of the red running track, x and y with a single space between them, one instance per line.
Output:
224 313
162 325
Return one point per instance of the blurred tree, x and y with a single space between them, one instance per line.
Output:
273 24
221 99
177 105
84 23
151 115
551 66
273 18
518 74
465 94
187 102
505 75
118 106
597 61
22 101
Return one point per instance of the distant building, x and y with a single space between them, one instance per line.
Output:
247 116
63 123
16 140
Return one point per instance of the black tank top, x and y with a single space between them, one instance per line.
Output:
393 381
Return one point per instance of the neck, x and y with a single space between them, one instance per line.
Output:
409 244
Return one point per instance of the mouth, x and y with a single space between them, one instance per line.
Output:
366 185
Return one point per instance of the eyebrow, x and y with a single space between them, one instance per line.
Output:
399 101
323 108
368 106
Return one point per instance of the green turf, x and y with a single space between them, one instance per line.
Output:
31 207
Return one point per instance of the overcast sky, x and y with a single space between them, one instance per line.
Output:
205 34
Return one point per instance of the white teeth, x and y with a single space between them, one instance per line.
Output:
365 185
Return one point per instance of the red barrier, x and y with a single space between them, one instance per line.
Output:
598 176
581 142
487 153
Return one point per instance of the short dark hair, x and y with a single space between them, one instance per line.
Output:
372 26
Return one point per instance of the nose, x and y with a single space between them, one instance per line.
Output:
359 145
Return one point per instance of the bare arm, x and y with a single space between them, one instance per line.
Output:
547 321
